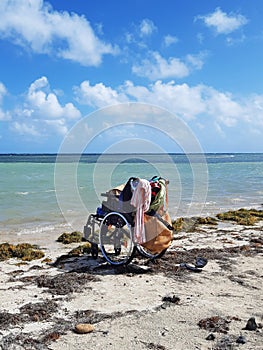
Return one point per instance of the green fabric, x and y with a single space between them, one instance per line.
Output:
159 200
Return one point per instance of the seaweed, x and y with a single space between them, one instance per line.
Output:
73 237
32 312
242 216
215 324
190 224
28 252
207 220
23 251
80 250
39 311
65 283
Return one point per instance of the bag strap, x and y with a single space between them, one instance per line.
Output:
158 216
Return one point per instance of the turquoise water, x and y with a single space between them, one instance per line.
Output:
37 193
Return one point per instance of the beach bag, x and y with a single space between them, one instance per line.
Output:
158 235
157 221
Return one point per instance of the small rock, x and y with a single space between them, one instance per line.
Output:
210 337
83 328
241 340
171 299
251 324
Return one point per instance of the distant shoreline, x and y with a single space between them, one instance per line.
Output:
130 157
123 153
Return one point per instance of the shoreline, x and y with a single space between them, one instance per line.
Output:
49 231
143 306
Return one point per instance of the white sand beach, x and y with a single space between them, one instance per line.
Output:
143 306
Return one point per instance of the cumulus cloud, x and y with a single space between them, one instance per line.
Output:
169 40
98 95
44 104
192 103
196 61
3 115
59 126
22 128
42 113
3 91
222 22
35 25
223 107
180 99
157 67
146 28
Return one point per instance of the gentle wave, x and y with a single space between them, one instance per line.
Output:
41 229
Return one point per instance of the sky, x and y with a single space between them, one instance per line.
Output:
66 63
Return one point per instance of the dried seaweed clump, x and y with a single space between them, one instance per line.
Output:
215 324
242 216
81 249
207 220
65 283
190 224
73 237
23 251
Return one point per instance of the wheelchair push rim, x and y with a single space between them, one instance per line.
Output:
116 239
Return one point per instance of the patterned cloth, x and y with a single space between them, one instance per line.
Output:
141 200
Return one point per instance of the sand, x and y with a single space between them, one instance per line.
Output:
144 306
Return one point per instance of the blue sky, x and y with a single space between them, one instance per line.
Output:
199 60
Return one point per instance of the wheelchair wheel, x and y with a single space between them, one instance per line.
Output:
116 240
148 254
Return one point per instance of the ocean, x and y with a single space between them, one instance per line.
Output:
46 192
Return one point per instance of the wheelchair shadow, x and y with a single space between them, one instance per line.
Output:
98 266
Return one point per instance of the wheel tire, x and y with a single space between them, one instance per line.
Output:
116 240
148 254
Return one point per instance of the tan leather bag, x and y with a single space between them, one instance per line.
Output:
158 236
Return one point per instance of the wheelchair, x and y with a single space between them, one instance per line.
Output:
112 230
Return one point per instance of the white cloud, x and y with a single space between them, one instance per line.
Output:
254 110
222 22
179 99
36 25
44 104
169 40
59 126
24 129
3 91
147 27
98 95
196 61
198 103
42 113
223 107
4 116
158 67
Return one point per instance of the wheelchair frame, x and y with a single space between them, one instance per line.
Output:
112 231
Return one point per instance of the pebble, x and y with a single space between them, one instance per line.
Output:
210 337
83 328
241 340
